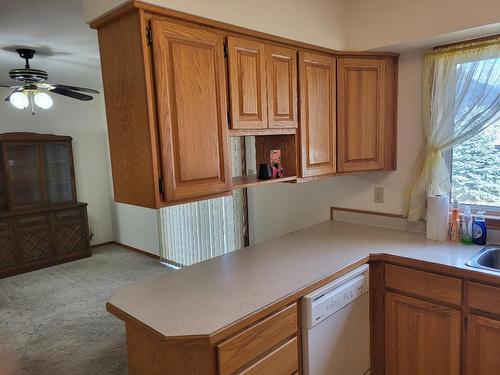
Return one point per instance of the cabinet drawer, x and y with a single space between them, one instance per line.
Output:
256 340
484 297
32 221
67 215
281 361
425 284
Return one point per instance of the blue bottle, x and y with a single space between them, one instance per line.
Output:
479 229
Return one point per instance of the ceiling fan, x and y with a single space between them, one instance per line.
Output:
30 86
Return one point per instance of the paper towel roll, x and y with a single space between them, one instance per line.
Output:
437 217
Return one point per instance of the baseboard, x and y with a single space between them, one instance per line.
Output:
135 250
107 243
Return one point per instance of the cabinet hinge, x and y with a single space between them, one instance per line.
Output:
161 186
149 36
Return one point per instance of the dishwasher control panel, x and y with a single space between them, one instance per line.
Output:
324 302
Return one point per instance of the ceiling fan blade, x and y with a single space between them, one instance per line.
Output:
8 97
75 88
70 93
10 84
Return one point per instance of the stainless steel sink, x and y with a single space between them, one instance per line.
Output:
488 258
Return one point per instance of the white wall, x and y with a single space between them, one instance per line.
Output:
320 22
381 23
136 226
84 122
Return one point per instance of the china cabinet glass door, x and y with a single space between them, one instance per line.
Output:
23 174
58 178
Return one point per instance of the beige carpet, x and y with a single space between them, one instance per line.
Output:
54 321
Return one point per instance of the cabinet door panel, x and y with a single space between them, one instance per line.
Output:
422 338
23 171
190 84
362 100
247 83
281 86
317 129
483 346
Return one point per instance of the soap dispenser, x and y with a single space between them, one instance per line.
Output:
466 235
479 229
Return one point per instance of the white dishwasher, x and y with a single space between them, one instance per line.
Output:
336 326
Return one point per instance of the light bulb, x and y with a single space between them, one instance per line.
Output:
43 100
19 100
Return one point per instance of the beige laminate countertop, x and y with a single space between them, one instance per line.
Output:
208 296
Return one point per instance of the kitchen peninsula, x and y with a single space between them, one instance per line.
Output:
229 313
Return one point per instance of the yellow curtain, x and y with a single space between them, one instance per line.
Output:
461 86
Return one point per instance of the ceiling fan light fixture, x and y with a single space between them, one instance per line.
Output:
19 100
43 100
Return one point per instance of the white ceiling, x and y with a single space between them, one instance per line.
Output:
67 48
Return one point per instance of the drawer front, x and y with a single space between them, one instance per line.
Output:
256 340
32 221
281 361
425 284
68 215
484 297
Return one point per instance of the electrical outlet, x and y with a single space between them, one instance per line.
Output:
378 195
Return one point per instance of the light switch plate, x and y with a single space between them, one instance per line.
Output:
378 195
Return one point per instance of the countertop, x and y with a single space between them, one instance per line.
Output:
208 296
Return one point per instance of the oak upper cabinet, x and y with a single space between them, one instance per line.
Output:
263 85
366 100
281 86
317 114
421 337
192 112
166 106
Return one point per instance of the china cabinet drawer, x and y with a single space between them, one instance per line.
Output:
67 215
32 221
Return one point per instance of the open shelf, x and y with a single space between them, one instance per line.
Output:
257 132
241 182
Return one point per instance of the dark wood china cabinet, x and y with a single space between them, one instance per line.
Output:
41 221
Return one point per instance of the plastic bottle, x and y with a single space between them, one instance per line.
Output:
479 229
466 235
455 222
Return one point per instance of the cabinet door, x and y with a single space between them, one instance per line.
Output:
363 119
59 172
483 346
281 86
317 111
247 83
422 338
23 173
192 112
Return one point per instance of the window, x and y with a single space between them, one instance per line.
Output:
475 164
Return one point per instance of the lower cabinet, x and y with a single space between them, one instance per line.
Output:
434 324
270 347
33 240
421 337
483 346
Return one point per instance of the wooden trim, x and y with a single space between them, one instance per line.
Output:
135 250
232 29
475 40
33 137
102 244
268 131
355 210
